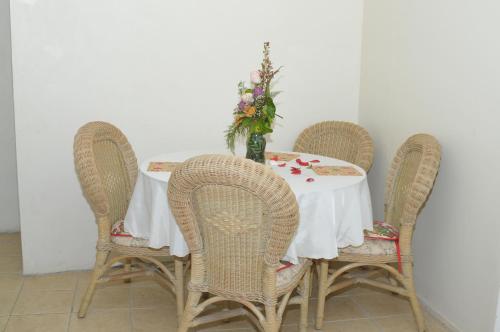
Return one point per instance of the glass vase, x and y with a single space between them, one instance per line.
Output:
256 146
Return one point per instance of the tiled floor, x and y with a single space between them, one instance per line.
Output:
49 303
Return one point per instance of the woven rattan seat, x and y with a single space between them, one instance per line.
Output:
107 169
238 218
338 139
409 183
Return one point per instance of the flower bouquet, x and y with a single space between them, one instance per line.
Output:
255 112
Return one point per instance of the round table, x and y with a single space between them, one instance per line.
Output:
334 210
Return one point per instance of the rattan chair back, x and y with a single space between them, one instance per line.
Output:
411 178
107 169
238 218
338 139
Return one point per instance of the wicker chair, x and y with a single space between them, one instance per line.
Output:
107 169
337 139
238 219
409 183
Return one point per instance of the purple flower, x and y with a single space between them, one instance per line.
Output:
258 91
241 105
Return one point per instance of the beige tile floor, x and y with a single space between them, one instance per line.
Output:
49 303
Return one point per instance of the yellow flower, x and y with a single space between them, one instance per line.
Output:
250 111
238 119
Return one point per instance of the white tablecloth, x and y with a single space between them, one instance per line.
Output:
334 210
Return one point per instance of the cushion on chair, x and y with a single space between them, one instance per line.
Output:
371 247
382 231
381 241
121 237
288 273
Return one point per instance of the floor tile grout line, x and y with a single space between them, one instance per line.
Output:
19 273
366 313
15 302
344 320
12 314
6 322
75 289
68 317
130 305
38 314
377 325
391 316
94 310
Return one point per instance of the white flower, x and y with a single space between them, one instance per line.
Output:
255 77
247 98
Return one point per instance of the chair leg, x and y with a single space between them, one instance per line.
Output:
271 323
101 258
189 311
127 268
304 305
417 310
322 287
179 287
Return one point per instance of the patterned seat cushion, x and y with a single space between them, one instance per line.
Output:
381 241
382 230
121 237
290 273
372 247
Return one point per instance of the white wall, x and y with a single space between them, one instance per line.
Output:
497 319
433 66
166 73
9 204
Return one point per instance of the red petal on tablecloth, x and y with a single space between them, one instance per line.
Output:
314 161
282 165
310 180
301 163
295 171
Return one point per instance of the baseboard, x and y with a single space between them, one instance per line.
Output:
443 320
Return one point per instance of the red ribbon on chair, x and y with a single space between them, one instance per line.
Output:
398 251
392 234
284 266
